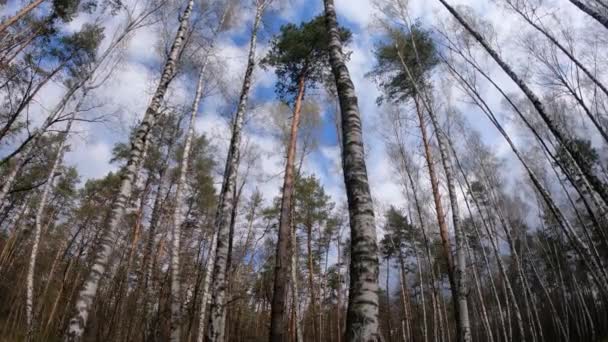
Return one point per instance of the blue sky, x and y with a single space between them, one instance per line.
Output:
128 91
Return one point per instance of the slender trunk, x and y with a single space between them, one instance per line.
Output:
388 300
591 12
362 315
178 215
145 271
89 291
123 307
295 292
484 311
405 334
509 292
585 309
205 293
422 301
409 327
463 325
460 278
427 247
479 237
215 332
443 227
23 12
48 187
311 286
553 310
339 292
282 260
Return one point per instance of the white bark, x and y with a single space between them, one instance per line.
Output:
48 187
205 294
460 275
362 314
178 215
89 290
295 291
226 198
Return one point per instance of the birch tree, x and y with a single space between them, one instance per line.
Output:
87 295
221 239
362 314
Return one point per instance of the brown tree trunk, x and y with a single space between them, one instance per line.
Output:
443 227
282 260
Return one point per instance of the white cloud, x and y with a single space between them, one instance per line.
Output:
129 90
91 158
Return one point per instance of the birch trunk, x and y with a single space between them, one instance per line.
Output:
48 187
388 300
178 215
294 283
479 237
217 317
478 286
460 278
427 247
424 320
443 227
362 314
205 295
282 260
89 290
311 286
458 271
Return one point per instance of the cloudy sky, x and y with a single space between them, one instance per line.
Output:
128 91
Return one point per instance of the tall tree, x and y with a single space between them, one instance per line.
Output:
178 214
38 230
362 314
300 57
218 256
403 67
89 291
